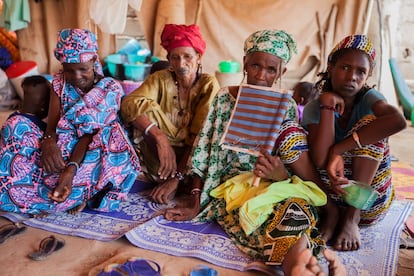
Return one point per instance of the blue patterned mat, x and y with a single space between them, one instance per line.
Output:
137 220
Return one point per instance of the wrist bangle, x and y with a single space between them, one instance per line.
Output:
73 163
195 191
148 128
327 107
356 139
179 176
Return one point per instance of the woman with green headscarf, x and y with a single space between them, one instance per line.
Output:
220 188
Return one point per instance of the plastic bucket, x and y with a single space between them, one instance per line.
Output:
18 71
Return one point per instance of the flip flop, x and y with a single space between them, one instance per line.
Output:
134 266
47 246
406 243
203 270
8 230
409 224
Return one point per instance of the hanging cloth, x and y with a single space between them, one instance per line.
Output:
111 15
15 14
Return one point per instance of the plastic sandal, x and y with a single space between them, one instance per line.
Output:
134 266
47 246
409 224
203 270
9 230
406 243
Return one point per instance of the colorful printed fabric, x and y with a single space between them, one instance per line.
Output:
110 162
361 115
256 119
174 36
360 42
77 46
255 203
382 183
158 98
276 42
215 164
271 241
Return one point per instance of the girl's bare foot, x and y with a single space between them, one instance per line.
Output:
77 209
349 237
329 220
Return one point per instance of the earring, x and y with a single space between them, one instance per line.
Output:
199 69
244 80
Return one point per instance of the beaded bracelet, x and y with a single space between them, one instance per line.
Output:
327 107
356 139
73 163
195 191
179 176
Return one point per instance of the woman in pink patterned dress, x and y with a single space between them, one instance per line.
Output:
86 157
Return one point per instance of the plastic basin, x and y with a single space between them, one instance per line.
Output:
130 67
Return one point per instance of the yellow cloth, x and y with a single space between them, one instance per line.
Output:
256 203
157 98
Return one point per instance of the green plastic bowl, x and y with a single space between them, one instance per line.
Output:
134 67
228 66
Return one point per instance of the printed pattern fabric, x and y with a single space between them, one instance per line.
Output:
215 164
110 161
256 119
382 181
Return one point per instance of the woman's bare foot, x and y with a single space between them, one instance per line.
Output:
187 207
77 209
348 237
42 214
329 220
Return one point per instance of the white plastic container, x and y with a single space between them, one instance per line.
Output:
18 71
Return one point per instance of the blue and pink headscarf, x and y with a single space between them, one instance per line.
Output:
77 46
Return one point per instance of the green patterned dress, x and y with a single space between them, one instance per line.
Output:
215 165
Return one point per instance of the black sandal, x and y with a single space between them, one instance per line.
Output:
47 246
9 230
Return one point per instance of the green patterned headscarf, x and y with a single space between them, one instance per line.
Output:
275 42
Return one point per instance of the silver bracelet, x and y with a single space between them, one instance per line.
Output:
148 128
73 163
195 191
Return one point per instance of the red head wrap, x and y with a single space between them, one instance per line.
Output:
174 36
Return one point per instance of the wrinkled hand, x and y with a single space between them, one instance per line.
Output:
164 192
51 159
270 167
63 188
335 170
186 209
166 155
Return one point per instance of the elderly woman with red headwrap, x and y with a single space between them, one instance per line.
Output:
168 109
85 155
